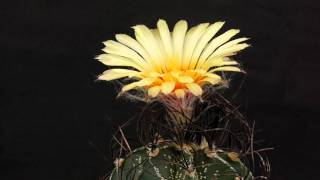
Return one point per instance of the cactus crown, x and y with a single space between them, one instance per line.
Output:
169 161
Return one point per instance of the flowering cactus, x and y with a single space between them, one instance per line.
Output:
178 69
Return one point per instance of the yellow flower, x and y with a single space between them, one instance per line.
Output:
175 63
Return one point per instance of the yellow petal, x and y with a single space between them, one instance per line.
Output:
134 45
167 77
175 74
155 74
114 60
232 50
213 76
212 81
154 91
191 40
211 62
167 87
194 88
179 93
229 62
231 43
146 38
116 48
185 79
216 42
218 61
178 34
161 48
141 83
165 37
210 32
112 74
199 71
226 68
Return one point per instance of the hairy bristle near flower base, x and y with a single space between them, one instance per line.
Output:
212 118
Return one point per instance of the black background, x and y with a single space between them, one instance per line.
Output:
51 107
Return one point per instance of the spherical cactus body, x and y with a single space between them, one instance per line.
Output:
175 162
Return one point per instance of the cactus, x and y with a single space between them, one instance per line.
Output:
184 72
169 161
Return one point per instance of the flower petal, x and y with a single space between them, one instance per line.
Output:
178 35
212 75
226 68
141 83
194 88
112 74
134 45
191 40
230 51
218 61
167 87
146 38
207 36
212 81
215 43
165 37
154 91
180 93
114 60
116 48
185 79
161 48
231 43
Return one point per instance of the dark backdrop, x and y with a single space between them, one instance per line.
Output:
54 115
